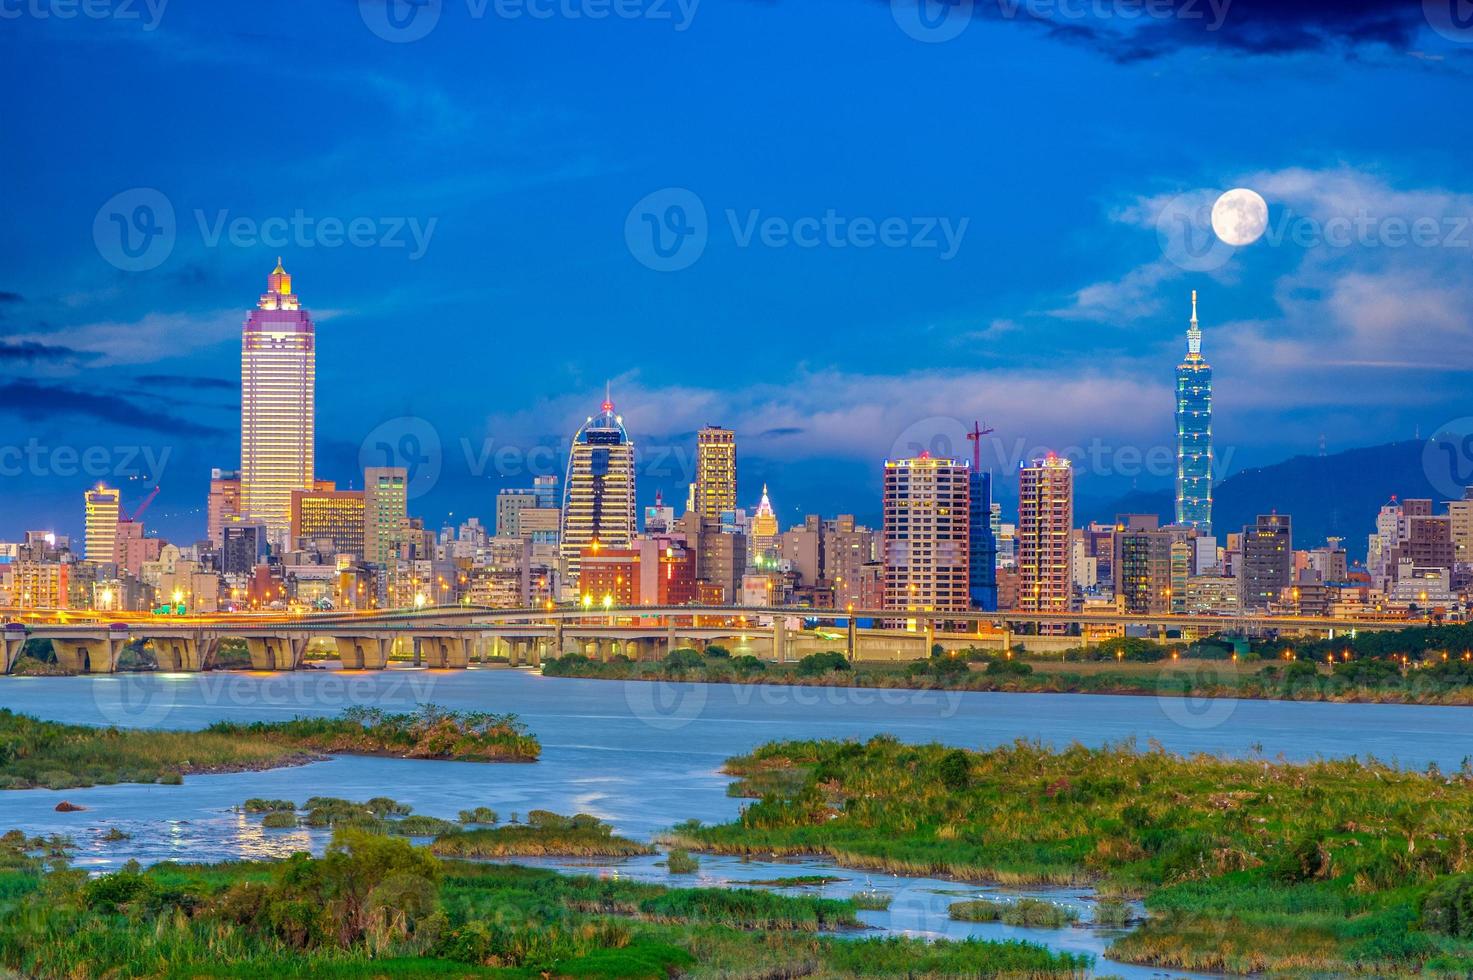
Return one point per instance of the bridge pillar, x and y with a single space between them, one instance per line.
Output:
930 639
179 653
780 639
363 652
88 656
534 652
276 652
557 639
12 652
853 640
443 651
671 640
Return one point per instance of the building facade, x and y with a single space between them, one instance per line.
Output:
927 515
598 493
385 512
1045 520
101 523
1194 434
1266 563
716 481
335 516
278 376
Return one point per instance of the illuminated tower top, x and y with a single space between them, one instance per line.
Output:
278 294
1194 334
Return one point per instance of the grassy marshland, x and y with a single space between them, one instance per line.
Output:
1245 865
57 756
543 835
377 907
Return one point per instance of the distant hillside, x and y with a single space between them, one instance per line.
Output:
1335 495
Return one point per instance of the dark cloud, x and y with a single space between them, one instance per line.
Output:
32 352
40 402
8 297
776 433
1126 31
198 382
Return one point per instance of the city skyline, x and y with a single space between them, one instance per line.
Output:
521 200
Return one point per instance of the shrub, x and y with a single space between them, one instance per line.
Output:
1008 668
682 863
257 805
822 663
717 651
684 659
1448 908
279 820
748 664
955 770
481 815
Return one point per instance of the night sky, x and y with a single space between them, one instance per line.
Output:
875 225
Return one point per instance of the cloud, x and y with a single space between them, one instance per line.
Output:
199 382
33 352
8 297
43 402
154 337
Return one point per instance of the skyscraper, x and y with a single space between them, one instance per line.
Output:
982 565
764 531
598 494
716 486
1266 566
278 367
1194 433
101 523
385 507
1045 519
927 513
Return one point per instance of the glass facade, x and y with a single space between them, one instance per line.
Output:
1194 434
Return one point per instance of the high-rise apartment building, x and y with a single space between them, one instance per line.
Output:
101 523
1141 564
1194 433
927 514
335 516
509 505
1045 519
385 511
223 504
716 483
982 565
1460 519
278 369
1266 564
598 494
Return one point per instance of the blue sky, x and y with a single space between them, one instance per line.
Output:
1049 143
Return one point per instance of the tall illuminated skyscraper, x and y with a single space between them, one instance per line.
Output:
102 523
1045 522
1194 433
278 368
716 484
598 494
927 556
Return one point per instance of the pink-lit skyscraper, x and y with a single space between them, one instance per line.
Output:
278 369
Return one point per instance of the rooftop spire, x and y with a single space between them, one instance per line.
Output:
1194 333
608 405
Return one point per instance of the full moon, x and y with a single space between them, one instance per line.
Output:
1240 216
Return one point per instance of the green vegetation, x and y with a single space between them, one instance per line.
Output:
544 834
680 862
257 805
1032 912
279 820
480 815
377 907
429 733
800 881
58 756
1418 665
1329 867
1112 912
380 815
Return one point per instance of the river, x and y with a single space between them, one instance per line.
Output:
643 756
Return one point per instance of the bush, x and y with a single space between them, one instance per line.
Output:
955 770
718 652
816 664
257 805
1008 668
481 815
748 664
682 863
684 659
1448 908
279 820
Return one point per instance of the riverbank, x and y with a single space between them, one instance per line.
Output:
53 755
1440 684
1245 866
377 906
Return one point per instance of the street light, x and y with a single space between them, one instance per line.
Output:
419 600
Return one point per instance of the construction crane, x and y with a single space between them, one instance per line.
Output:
974 436
123 517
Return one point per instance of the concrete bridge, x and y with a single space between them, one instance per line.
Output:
455 636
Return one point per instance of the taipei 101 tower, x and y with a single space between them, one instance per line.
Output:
278 372
1194 433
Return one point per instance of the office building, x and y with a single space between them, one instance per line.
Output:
101 523
1266 563
982 564
716 483
927 514
278 368
385 512
598 493
331 517
1045 519
1194 433
1142 565
223 504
